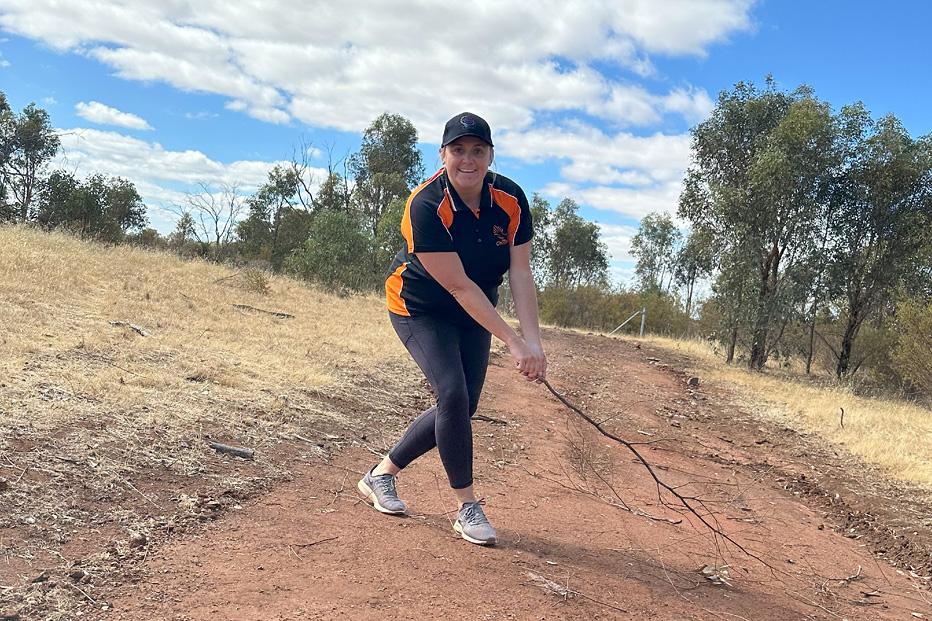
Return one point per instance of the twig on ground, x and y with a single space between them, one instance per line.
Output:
220 280
314 543
131 326
489 419
247 307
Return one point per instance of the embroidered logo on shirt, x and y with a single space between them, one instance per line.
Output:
501 239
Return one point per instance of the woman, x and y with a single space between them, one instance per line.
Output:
464 228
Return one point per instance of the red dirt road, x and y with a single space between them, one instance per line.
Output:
310 549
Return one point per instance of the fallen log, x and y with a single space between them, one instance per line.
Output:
237 451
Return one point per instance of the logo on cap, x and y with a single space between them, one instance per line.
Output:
467 121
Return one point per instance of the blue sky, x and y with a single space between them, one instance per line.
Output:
592 100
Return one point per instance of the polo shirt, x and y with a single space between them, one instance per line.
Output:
436 219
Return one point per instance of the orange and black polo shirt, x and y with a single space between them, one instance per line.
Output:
437 220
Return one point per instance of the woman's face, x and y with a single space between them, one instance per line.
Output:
466 159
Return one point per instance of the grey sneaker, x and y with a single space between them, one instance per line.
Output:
380 490
473 526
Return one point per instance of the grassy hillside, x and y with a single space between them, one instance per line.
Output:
95 417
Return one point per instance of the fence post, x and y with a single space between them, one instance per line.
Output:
643 317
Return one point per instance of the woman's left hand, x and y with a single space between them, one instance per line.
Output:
530 360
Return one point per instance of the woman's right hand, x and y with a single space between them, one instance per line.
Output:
530 360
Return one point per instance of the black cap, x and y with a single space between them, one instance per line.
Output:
466 124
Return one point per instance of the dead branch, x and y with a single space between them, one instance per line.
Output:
489 419
131 326
238 451
842 419
246 307
661 485
313 543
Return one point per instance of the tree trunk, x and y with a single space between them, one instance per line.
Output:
689 296
811 345
847 342
730 350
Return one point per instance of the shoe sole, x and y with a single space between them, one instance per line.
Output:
367 492
478 542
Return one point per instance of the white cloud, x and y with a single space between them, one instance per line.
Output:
49 101
617 238
630 202
98 113
200 116
161 176
591 155
340 65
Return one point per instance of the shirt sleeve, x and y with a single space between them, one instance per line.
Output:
430 226
525 227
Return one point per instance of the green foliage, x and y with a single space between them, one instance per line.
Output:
911 357
597 308
387 166
279 216
542 242
577 257
884 213
100 207
388 238
335 253
27 143
655 247
147 238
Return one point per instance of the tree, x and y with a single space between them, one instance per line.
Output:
388 239
387 166
577 255
280 214
655 246
100 207
334 193
761 172
335 254
883 216
211 216
694 260
911 356
542 242
27 143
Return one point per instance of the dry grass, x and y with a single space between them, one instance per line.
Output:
93 415
894 435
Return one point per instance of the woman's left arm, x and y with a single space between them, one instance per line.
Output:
524 294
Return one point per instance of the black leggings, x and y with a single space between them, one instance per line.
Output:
454 356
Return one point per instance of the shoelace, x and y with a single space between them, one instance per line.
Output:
386 485
474 514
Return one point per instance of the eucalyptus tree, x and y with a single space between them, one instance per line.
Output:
387 167
542 242
884 214
655 246
761 172
577 255
28 142
694 260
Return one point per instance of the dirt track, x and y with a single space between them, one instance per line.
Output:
311 550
